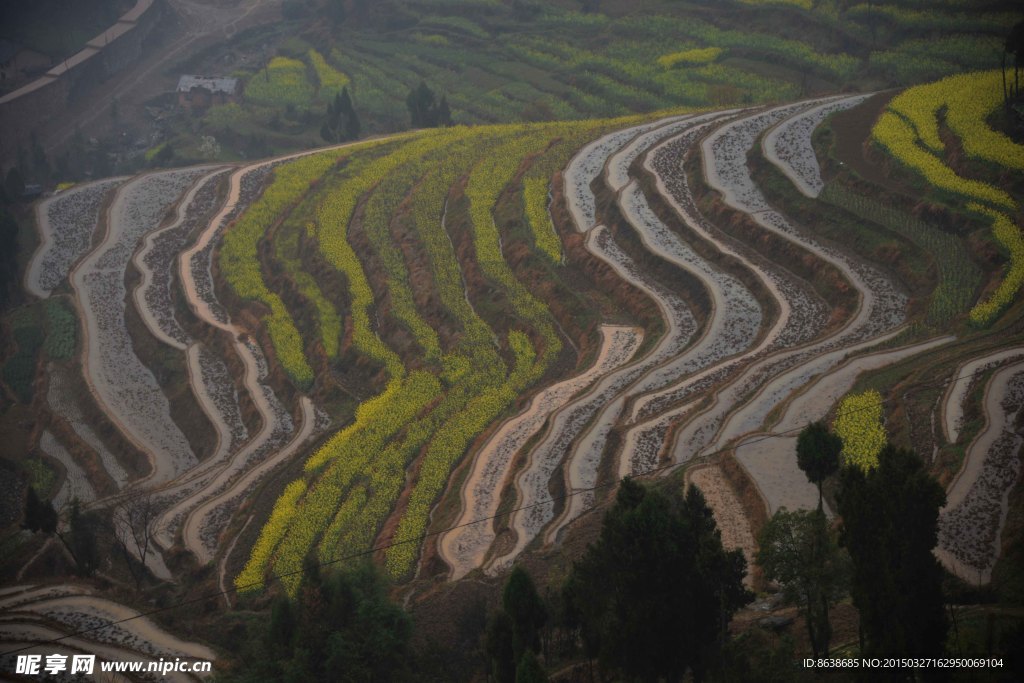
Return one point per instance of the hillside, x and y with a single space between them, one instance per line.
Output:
441 348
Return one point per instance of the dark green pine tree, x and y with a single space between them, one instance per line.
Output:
654 596
498 646
422 106
8 260
521 601
890 526
529 669
350 120
444 113
39 514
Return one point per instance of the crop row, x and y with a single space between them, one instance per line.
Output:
62 330
331 80
493 394
1009 236
362 448
898 136
967 101
694 56
536 182
859 424
241 264
283 81
286 250
958 276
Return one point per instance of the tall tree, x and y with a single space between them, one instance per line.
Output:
817 454
424 109
889 526
799 551
524 606
83 531
341 627
529 669
444 113
133 533
1014 45
656 592
8 256
39 514
352 126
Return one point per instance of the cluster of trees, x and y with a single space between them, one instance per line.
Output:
651 600
341 627
880 553
342 122
78 533
425 110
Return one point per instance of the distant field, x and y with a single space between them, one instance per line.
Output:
496 63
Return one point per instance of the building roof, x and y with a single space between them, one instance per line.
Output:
212 83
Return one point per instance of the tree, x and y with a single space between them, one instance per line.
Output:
655 594
817 453
799 551
529 669
348 115
1014 45
444 113
522 603
889 526
421 105
342 122
14 185
340 626
8 256
424 109
132 519
498 646
83 531
39 514
40 164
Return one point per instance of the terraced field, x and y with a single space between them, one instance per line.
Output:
440 348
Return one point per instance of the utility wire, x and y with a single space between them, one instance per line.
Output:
422 537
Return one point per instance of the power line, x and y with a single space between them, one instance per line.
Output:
424 536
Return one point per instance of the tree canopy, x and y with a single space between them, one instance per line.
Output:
799 551
817 453
889 525
341 627
654 595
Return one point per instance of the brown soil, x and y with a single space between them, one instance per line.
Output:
852 132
